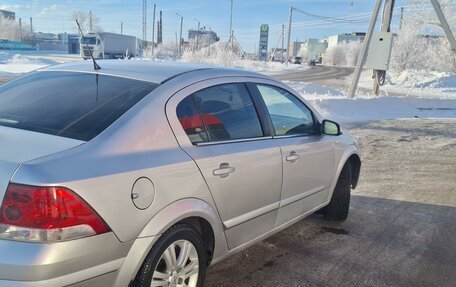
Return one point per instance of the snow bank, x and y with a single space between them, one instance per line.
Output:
333 104
415 83
423 79
312 91
220 56
19 62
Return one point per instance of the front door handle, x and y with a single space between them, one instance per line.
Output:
224 170
293 157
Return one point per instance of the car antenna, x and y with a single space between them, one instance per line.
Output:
95 65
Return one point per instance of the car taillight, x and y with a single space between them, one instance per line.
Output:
47 214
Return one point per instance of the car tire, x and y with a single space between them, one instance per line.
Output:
157 264
337 209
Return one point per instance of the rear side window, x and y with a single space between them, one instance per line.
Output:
68 104
191 121
226 111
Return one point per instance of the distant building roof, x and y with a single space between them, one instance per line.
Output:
8 14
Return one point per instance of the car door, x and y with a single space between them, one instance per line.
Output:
217 124
307 155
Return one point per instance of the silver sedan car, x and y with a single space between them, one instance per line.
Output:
144 174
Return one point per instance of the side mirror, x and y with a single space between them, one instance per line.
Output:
330 128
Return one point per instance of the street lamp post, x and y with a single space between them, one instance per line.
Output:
180 34
153 29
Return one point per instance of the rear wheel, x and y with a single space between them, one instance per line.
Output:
178 259
337 209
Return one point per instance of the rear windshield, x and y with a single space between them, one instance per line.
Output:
68 104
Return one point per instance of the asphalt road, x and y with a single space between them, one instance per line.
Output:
316 74
329 76
401 227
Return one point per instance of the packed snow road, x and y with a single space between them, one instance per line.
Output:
316 74
400 231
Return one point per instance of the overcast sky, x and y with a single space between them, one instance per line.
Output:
248 15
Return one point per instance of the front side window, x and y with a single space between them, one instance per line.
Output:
68 104
288 114
226 113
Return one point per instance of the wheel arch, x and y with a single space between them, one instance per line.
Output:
351 155
355 163
198 213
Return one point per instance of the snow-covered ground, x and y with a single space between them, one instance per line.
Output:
416 83
334 104
19 62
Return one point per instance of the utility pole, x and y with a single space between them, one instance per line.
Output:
20 29
209 46
160 29
402 18
283 42
289 34
350 15
444 25
153 29
121 28
276 47
197 33
144 24
363 54
379 75
90 21
180 34
177 43
31 26
231 26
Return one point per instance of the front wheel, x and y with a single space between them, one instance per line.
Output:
337 209
178 259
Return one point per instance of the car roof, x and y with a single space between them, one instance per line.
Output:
145 70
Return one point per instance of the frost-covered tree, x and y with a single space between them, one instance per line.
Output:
421 43
84 20
408 48
352 50
10 30
167 50
335 56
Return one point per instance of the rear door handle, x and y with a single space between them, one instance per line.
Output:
293 157
224 170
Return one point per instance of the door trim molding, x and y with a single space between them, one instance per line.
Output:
251 215
300 196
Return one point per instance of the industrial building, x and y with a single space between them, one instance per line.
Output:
312 49
205 36
8 15
294 48
345 38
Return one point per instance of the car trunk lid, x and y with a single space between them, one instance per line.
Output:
19 146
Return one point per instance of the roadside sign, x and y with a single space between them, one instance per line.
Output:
263 46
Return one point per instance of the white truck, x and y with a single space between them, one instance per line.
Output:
106 45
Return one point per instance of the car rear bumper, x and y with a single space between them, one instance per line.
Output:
93 259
